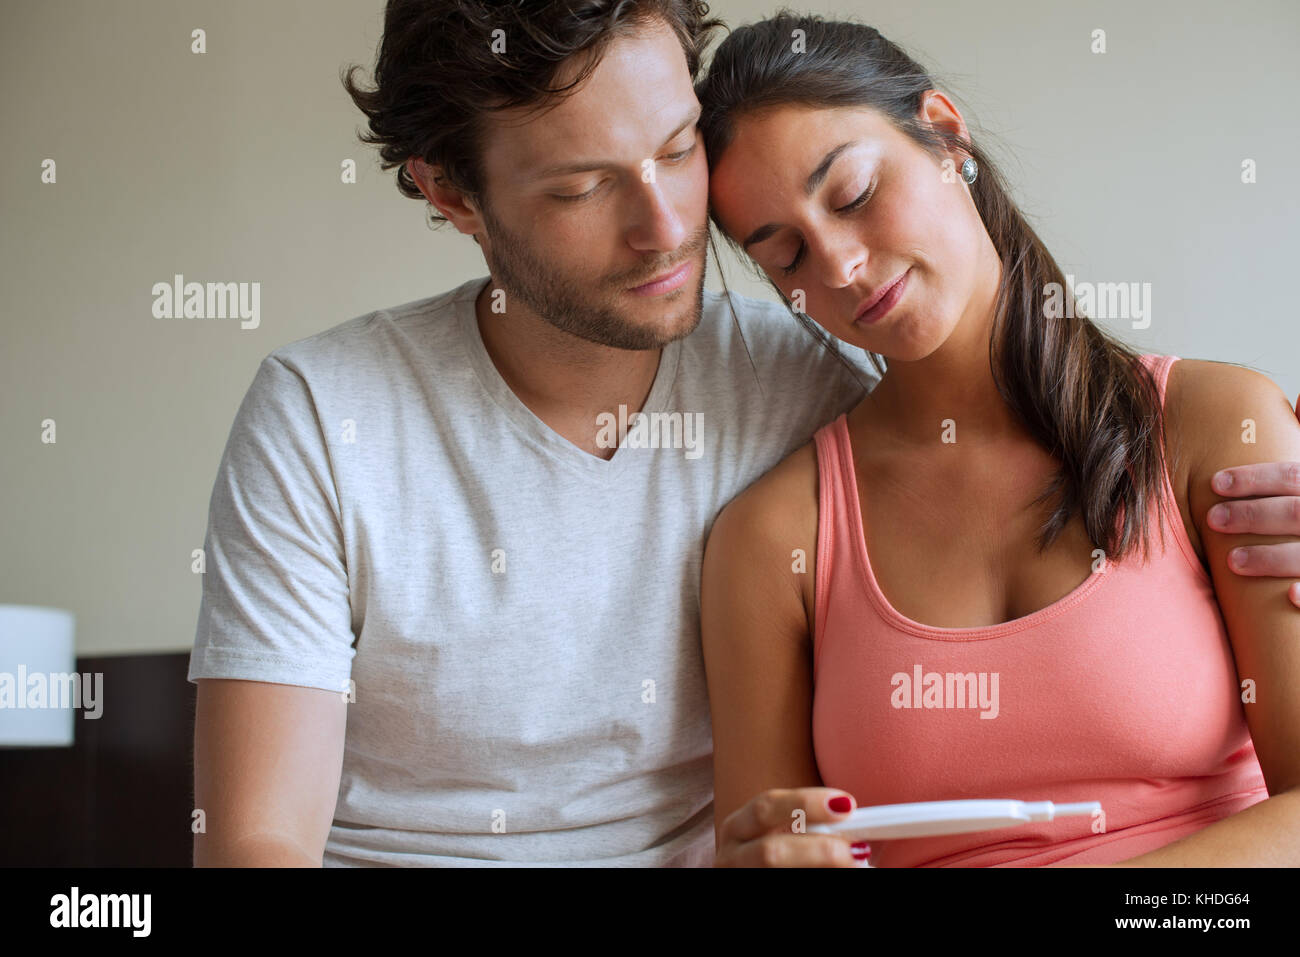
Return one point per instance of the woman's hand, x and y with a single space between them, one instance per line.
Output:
768 831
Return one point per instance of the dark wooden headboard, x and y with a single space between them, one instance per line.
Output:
122 796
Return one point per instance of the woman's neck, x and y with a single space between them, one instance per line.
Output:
950 394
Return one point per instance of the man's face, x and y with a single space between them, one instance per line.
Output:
573 226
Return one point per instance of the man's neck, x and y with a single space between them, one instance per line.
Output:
564 380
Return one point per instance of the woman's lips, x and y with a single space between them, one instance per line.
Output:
887 301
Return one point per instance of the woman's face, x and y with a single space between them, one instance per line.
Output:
836 204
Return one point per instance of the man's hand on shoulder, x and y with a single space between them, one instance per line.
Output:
1265 498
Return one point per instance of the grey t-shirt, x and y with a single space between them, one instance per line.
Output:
518 618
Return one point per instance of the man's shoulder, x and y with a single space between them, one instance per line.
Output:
778 343
771 321
350 344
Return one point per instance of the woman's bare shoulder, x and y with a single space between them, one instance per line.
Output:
1219 415
764 543
1211 405
780 504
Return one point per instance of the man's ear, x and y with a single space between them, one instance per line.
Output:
451 202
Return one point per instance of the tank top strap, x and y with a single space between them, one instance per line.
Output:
1159 366
834 525
1168 518
1165 507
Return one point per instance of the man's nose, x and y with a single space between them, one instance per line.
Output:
658 227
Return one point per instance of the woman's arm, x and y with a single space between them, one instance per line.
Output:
1223 416
758 662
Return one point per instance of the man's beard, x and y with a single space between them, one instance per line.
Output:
575 307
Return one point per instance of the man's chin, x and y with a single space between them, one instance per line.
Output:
673 325
636 338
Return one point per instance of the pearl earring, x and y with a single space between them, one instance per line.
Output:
969 170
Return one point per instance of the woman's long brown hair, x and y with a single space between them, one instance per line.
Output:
1083 395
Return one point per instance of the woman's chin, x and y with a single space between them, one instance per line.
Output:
902 341
895 348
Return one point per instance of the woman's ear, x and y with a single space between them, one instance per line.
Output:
939 114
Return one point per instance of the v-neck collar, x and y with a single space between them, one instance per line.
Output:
523 418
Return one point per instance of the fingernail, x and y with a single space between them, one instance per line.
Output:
1219 514
861 851
840 804
1237 558
1223 481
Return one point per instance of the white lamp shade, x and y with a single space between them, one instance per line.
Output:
37 653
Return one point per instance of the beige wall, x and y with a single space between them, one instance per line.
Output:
226 167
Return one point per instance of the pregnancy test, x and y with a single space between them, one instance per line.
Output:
928 818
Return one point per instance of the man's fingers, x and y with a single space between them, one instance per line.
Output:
1266 561
1258 516
794 850
786 810
1264 478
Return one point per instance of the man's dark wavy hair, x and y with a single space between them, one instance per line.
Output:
439 74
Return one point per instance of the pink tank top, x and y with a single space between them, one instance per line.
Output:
1123 692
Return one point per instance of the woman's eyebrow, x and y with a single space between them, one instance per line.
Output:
815 179
816 176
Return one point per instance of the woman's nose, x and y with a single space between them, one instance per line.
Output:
843 258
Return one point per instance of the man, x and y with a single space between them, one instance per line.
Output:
450 611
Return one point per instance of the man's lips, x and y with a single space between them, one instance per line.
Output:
665 281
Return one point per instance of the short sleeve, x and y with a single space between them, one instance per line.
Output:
275 605
860 359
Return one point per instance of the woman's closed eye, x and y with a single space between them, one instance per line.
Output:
851 207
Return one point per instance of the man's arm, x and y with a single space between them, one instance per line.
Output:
274 642
1274 509
267 761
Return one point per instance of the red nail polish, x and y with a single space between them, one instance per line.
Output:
861 851
840 804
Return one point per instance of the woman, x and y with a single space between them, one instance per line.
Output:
992 578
